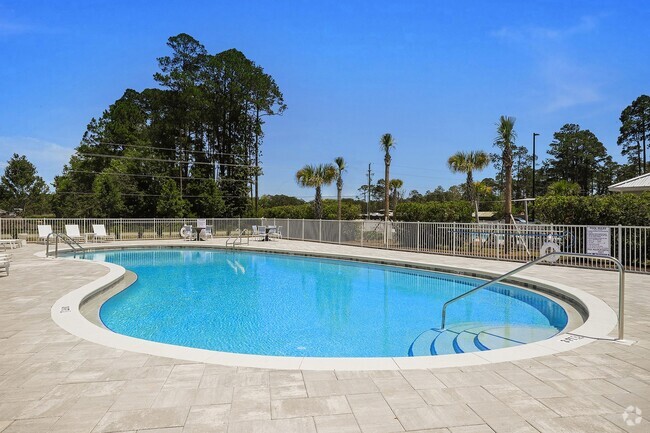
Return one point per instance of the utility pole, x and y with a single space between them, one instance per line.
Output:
368 194
534 161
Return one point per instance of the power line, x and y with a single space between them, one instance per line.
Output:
158 176
168 149
137 158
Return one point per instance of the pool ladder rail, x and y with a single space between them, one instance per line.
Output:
621 284
238 238
76 248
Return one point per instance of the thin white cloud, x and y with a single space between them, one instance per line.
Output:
48 157
563 79
9 28
530 33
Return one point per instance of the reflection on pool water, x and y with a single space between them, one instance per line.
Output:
275 304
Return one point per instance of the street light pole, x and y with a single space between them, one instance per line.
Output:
534 161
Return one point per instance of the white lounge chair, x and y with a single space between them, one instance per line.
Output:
99 233
188 233
262 233
5 261
256 233
72 230
206 233
275 232
13 243
43 232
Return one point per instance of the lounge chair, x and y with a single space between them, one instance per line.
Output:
72 230
13 243
99 233
43 232
262 233
188 233
206 233
5 261
257 233
275 232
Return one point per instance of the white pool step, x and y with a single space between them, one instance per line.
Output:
422 345
474 337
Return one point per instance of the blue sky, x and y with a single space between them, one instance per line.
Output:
435 74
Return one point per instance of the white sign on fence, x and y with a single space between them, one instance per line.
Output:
598 240
201 223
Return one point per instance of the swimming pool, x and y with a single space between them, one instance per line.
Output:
286 305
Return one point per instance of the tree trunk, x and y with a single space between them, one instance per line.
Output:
645 162
386 189
507 206
257 160
471 195
318 206
394 204
339 190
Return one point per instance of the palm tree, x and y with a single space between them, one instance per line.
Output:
315 176
395 185
340 168
468 162
387 144
505 140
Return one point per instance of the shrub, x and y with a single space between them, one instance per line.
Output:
349 211
624 209
435 211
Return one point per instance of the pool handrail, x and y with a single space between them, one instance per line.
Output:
232 240
73 244
621 284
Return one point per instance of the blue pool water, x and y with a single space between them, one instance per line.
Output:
275 304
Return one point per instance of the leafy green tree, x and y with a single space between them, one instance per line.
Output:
634 136
268 201
204 122
315 176
22 188
505 140
340 168
209 200
170 202
576 156
564 188
468 162
107 197
387 144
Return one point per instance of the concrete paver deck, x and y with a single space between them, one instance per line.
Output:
51 381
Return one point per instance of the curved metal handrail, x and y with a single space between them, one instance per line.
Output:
621 284
65 238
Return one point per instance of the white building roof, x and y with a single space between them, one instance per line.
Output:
636 184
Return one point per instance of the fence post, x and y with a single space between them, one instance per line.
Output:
121 229
620 243
239 224
320 230
288 233
417 240
453 238
363 226
339 232
303 229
